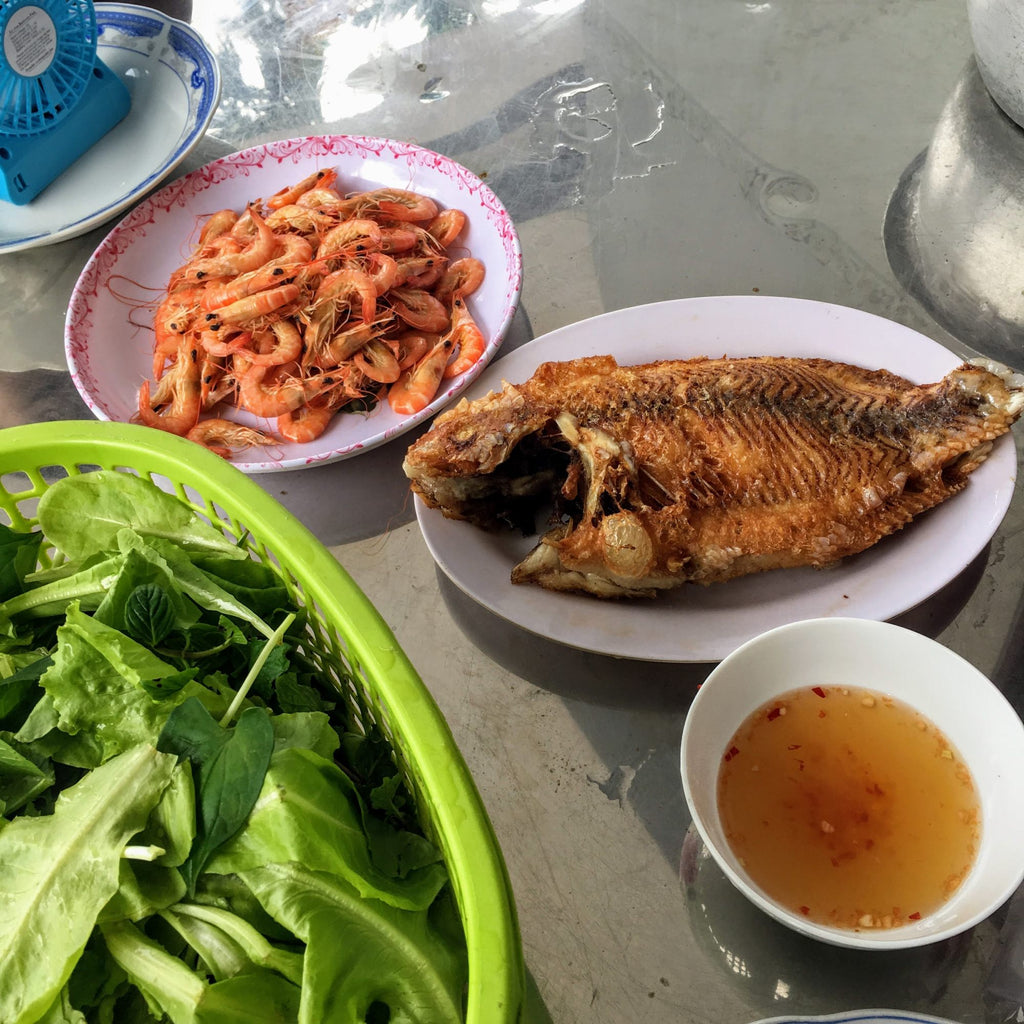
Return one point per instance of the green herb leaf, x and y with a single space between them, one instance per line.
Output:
19 553
21 779
96 685
391 956
145 567
309 812
19 687
229 765
87 588
250 942
254 997
49 904
83 514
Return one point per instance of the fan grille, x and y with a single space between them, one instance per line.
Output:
47 55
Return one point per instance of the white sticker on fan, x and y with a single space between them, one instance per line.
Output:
30 41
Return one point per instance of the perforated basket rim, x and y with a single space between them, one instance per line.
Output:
460 822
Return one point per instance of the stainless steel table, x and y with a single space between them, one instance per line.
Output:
844 151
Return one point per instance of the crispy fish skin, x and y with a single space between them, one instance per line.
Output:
703 470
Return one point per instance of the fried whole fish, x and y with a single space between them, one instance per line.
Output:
702 470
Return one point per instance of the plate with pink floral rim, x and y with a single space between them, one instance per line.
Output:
109 337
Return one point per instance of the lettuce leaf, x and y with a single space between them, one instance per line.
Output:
254 997
96 685
361 952
307 811
60 870
83 514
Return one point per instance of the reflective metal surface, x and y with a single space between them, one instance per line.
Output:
954 228
843 151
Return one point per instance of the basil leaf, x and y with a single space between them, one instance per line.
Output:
148 613
229 765
19 692
19 554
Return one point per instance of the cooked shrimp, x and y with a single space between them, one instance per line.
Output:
302 219
216 225
171 321
296 251
463 277
351 237
223 437
378 362
399 203
254 255
447 226
226 344
397 238
252 307
419 309
299 305
275 398
416 387
214 385
340 347
173 316
420 271
306 423
290 194
412 346
179 412
340 295
324 199
466 338
383 271
284 345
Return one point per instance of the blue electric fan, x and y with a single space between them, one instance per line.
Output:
57 98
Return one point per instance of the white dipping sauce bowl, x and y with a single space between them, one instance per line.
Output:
959 700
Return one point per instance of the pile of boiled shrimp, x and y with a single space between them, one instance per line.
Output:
308 304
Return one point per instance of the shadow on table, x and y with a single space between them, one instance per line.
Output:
569 672
534 1010
600 679
774 966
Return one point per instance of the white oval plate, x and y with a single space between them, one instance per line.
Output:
108 333
174 85
703 624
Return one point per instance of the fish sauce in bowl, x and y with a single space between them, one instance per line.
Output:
848 807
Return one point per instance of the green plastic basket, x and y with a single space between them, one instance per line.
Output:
369 667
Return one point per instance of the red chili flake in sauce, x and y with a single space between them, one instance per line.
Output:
818 690
731 753
915 916
805 910
794 746
774 713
